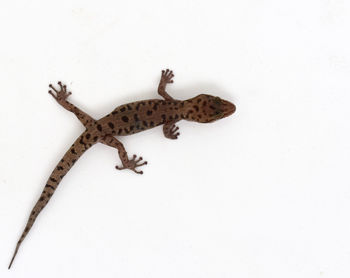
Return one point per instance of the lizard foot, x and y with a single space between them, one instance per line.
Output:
167 76
172 132
132 164
61 94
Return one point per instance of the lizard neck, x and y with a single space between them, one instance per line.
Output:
190 110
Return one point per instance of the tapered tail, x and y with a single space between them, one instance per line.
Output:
82 144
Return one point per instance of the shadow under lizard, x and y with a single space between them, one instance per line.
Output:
127 119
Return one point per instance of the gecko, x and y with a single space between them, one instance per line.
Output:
125 120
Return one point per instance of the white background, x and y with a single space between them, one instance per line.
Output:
263 193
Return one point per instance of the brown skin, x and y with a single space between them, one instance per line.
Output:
125 120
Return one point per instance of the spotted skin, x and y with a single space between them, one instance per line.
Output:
125 120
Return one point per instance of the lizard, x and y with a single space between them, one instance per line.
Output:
125 120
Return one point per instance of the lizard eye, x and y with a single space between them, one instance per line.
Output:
219 114
217 101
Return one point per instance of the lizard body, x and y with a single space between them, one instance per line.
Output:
125 120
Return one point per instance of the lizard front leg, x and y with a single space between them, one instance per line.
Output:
166 77
170 130
132 163
61 96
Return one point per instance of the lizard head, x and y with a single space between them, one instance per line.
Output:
206 108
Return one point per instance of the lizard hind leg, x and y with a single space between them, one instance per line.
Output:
127 163
61 95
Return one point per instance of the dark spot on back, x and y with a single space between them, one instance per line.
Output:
99 127
50 186
136 117
120 131
129 107
189 112
122 109
73 151
88 136
149 112
125 119
196 107
53 180
81 141
111 125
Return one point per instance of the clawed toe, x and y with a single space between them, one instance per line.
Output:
174 128
173 133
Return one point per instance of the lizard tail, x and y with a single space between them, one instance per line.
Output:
82 144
